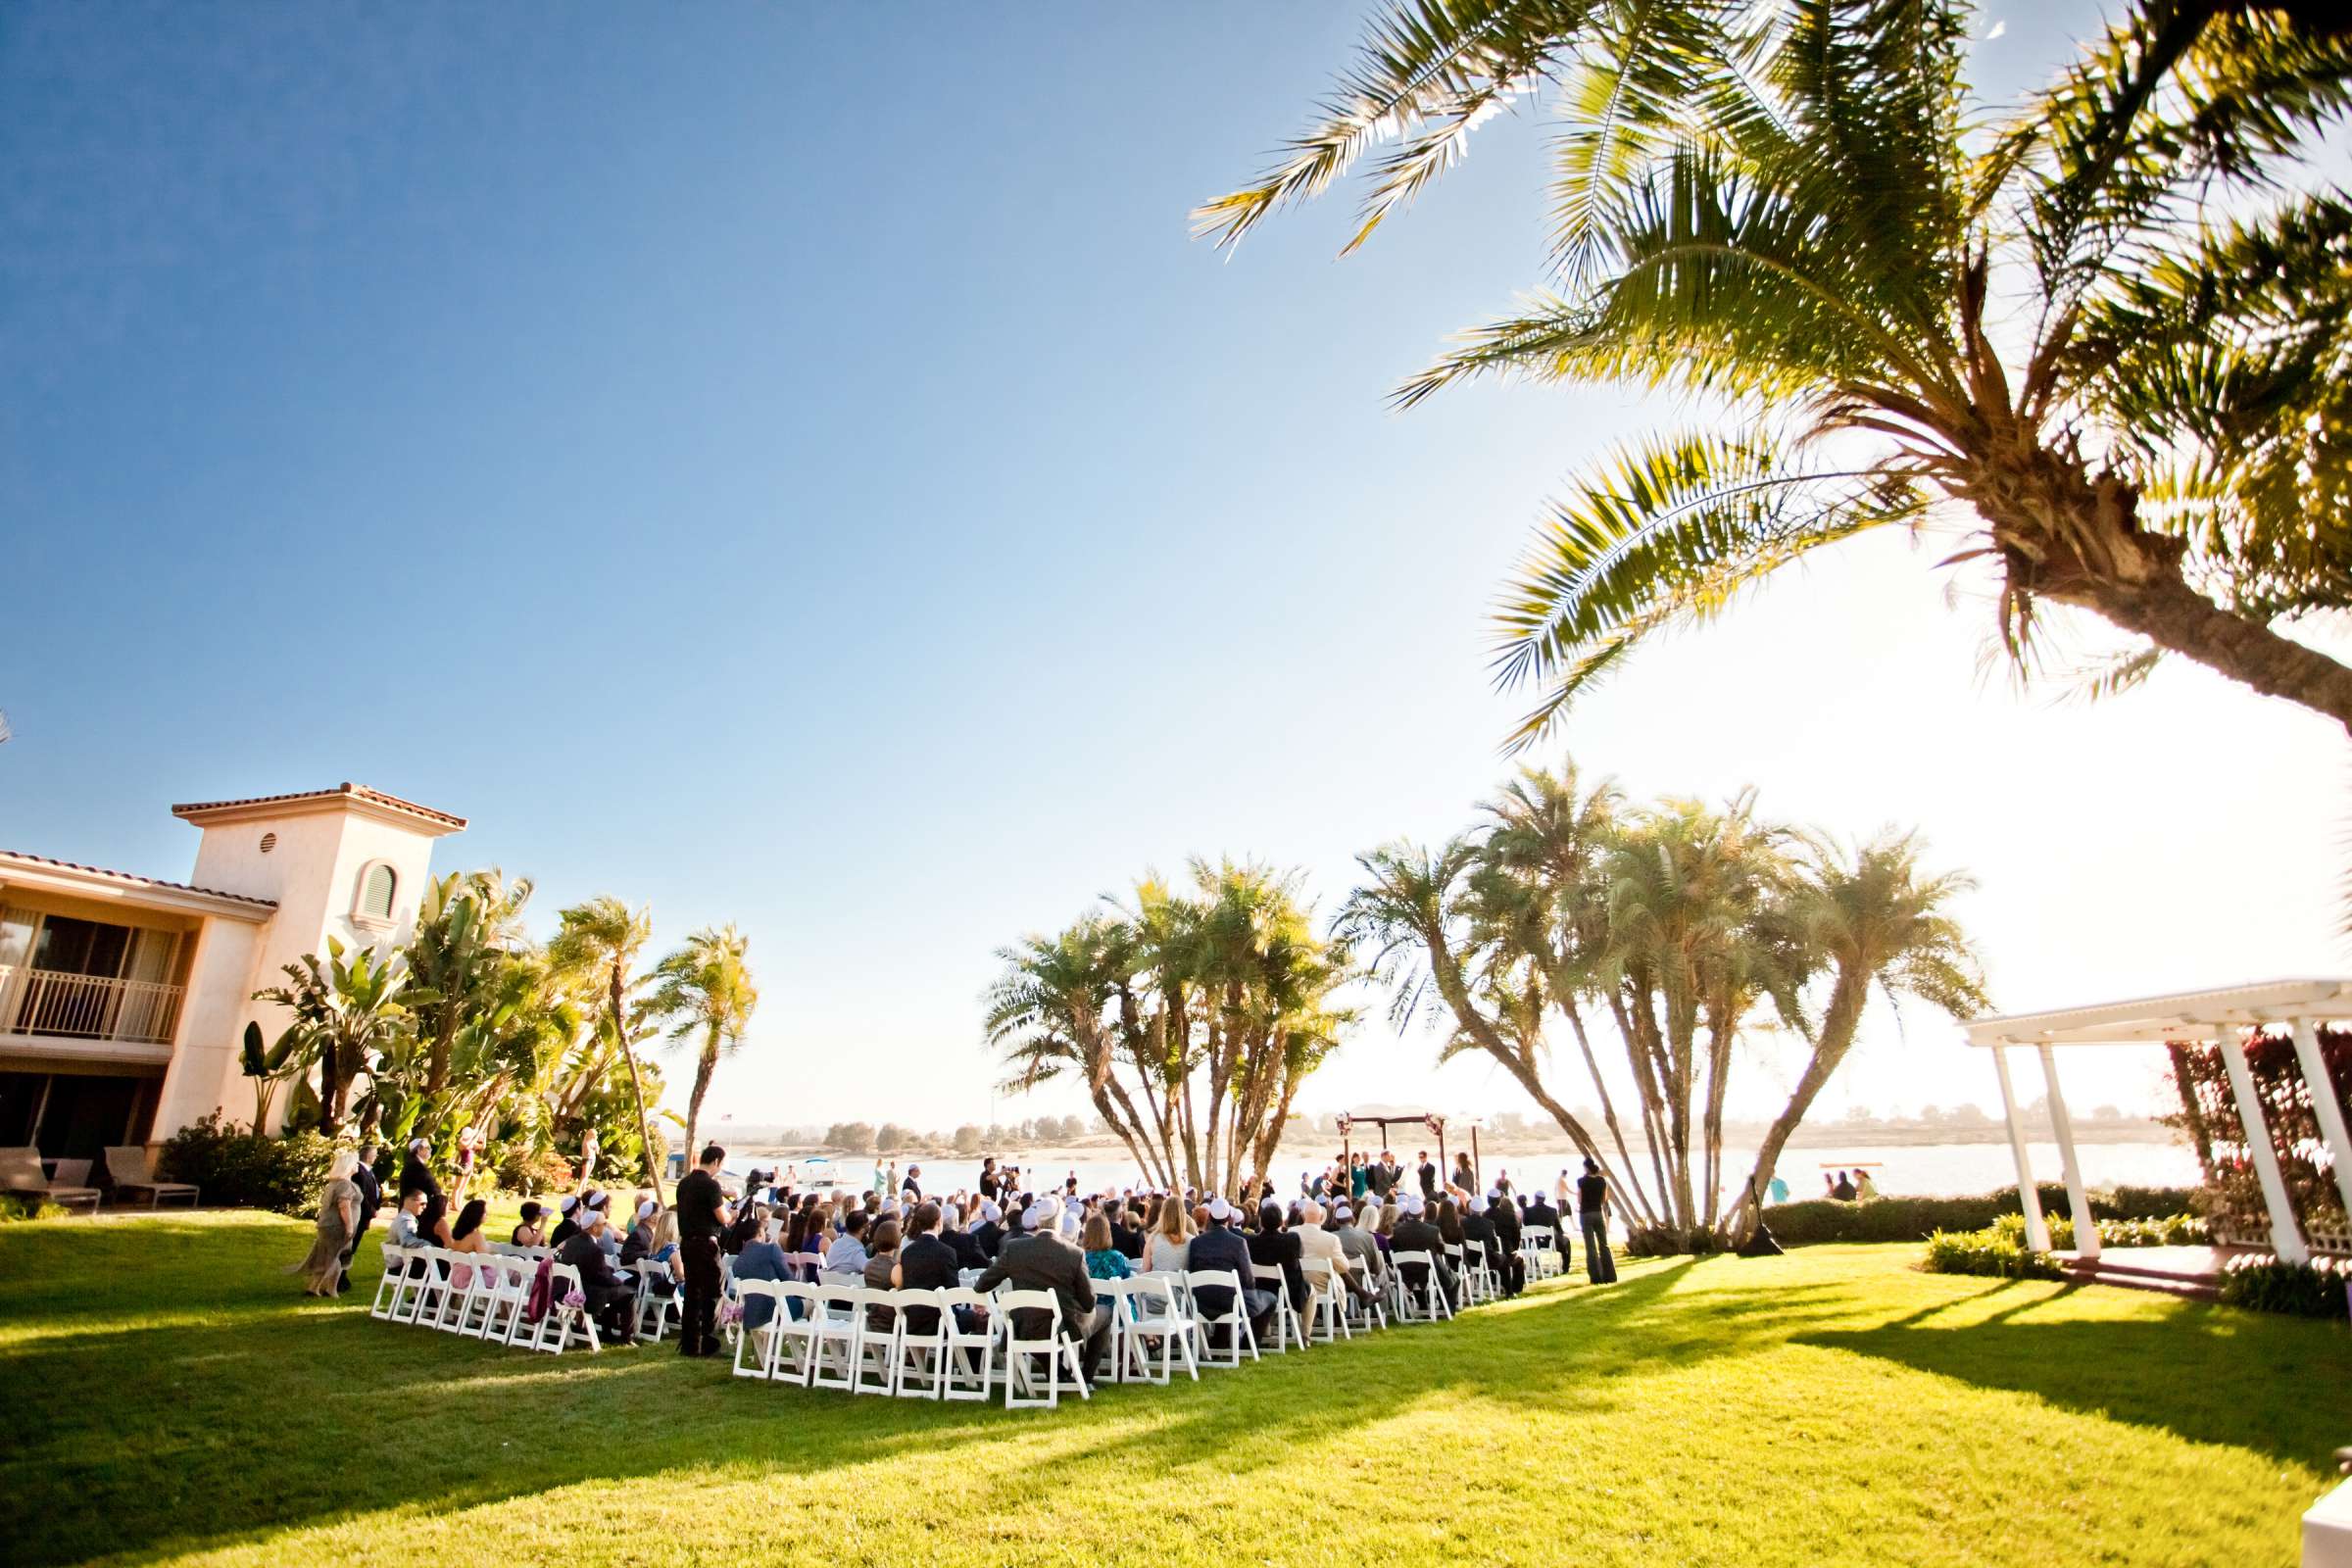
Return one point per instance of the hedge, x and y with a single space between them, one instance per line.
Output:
238 1169
1915 1219
2320 1288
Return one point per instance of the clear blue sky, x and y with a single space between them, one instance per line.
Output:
783 465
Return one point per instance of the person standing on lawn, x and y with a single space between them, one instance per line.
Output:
372 1199
702 1215
1592 1215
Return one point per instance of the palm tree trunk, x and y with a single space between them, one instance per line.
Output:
1838 1022
2170 613
1630 1181
645 1129
703 1068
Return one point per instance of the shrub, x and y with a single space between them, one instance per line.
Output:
248 1170
2264 1284
1915 1219
15 1210
1997 1250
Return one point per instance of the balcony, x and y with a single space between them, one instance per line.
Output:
83 1006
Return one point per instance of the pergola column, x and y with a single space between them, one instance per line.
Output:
2324 1106
2286 1238
2077 1201
2037 1230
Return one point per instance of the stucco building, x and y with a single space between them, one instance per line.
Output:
122 998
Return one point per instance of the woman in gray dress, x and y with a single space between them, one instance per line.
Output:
338 1221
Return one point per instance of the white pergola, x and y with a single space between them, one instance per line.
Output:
2221 1016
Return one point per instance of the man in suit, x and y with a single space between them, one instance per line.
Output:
372 1199
925 1263
988 1234
1415 1234
1541 1216
1502 1216
702 1215
1357 1242
1220 1247
1429 1177
1273 1246
611 1294
1041 1259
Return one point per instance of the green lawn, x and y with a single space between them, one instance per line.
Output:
170 1395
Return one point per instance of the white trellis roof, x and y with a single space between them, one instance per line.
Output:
2182 1015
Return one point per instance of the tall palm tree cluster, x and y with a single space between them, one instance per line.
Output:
1191 1016
472 1025
2100 340
1662 937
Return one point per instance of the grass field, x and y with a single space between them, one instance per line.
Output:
170 1395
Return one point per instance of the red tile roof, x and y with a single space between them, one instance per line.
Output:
356 790
135 880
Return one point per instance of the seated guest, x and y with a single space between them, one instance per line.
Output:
640 1240
526 1231
926 1262
465 1236
1317 1243
1479 1233
881 1271
1357 1242
988 1234
1504 1214
660 1245
1221 1248
568 1224
1415 1234
403 1230
958 1240
809 1254
611 1296
1103 1259
761 1259
1127 1234
1276 1246
846 1255
750 1215
1045 1261
1165 1248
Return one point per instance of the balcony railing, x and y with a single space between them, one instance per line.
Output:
83 1006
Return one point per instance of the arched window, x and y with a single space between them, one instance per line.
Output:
379 884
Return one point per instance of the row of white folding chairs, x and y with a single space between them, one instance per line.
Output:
483 1296
1536 1250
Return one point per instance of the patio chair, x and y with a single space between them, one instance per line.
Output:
131 1169
21 1176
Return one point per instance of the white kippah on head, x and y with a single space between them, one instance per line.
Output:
1219 1209
1045 1212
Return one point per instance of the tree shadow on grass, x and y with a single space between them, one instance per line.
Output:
144 1442
2185 1371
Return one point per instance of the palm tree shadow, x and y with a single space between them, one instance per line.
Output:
2183 1373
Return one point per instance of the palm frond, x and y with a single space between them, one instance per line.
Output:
1667 532
1429 72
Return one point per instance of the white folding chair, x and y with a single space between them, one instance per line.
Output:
471 1303
1118 1296
1161 1322
1463 1275
762 1342
919 1359
396 1291
1288 1330
506 1291
651 1306
432 1287
1235 1317
1489 1269
971 1353
795 1324
1326 1302
1056 1349
564 1322
833 1337
874 1358
1422 1304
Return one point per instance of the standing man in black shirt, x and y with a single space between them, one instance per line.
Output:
702 1215
1429 1178
1593 1214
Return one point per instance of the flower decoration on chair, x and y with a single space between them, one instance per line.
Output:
730 1313
574 1298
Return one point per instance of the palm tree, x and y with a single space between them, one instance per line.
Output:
705 992
1782 208
1874 918
602 939
467 923
347 1013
